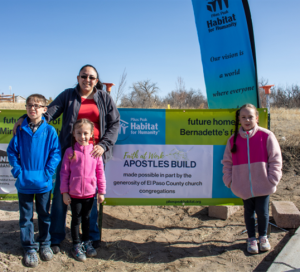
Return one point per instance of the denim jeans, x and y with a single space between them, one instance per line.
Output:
59 212
42 204
260 205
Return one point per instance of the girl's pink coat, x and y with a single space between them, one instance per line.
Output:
80 176
265 163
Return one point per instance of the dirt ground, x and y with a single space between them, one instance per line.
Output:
163 238
167 238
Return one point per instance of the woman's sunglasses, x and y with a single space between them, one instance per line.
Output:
90 77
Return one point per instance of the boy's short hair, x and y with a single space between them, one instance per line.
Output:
38 97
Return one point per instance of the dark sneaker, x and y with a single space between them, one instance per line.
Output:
46 253
90 251
96 244
31 258
55 248
78 252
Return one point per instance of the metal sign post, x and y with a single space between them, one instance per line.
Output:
267 89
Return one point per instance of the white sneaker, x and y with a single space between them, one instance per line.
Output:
252 245
264 244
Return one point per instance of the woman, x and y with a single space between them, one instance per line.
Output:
86 100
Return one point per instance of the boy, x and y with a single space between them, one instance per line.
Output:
34 153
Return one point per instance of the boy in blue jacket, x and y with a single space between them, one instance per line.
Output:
34 153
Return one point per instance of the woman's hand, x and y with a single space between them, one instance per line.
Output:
100 198
66 198
97 151
18 123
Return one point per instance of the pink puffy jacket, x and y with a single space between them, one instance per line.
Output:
82 175
255 168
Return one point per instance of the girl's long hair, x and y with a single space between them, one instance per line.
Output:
236 132
78 124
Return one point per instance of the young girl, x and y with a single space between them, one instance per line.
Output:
80 175
252 169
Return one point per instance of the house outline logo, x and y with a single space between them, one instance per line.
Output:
124 131
212 5
123 126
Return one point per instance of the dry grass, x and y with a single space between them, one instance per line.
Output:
284 114
12 106
120 251
285 123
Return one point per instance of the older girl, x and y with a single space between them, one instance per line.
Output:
252 169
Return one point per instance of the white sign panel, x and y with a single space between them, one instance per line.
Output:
160 171
7 181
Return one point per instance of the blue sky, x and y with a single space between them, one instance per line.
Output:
45 43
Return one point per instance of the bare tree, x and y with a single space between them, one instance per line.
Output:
192 99
143 95
180 85
288 97
181 98
262 82
121 86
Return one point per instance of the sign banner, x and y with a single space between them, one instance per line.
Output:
171 157
226 40
162 157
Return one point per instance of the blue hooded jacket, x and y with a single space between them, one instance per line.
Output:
34 158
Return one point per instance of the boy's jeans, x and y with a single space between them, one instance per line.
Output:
42 204
58 215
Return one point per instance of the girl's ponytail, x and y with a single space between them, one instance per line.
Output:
93 139
234 148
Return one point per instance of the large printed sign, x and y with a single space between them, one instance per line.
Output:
226 40
162 157
171 157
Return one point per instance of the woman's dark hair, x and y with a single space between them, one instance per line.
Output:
99 84
236 132
77 124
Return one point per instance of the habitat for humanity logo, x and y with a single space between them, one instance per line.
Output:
143 126
136 127
123 130
220 14
123 126
212 6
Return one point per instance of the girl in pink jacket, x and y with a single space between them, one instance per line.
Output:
252 169
81 174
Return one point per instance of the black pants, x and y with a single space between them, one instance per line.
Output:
81 211
260 206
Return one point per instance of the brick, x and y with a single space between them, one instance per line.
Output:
222 212
285 214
